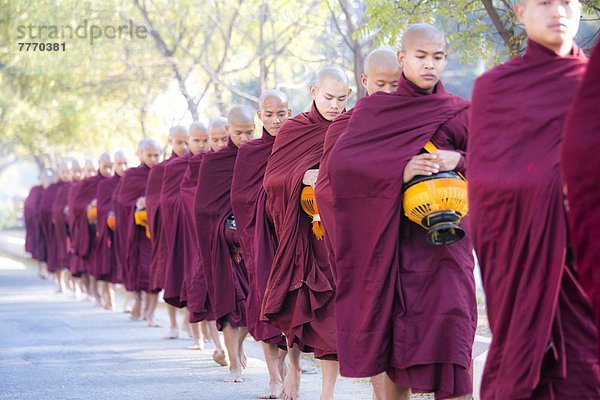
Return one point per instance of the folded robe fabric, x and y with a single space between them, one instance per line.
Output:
106 260
402 306
300 290
542 326
227 279
248 199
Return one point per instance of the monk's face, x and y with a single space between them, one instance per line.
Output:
550 23
198 141
105 167
89 170
179 142
240 132
330 97
381 79
150 156
64 173
273 112
120 165
76 173
424 60
218 138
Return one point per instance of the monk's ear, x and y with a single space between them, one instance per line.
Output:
289 112
363 79
519 11
258 113
349 91
226 128
313 91
401 56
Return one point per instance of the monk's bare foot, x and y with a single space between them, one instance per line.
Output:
219 357
234 376
291 385
308 369
243 359
197 345
153 324
173 334
274 392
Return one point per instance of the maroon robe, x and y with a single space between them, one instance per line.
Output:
543 335
83 234
159 244
582 135
119 234
106 260
47 224
61 231
323 192
34 238
226 277
172 216
300 290
256 232
76 264
137 247
402 306
194 290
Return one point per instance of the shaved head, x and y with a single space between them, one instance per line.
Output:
382 71
332 72
89 168
120 163
330 92
105 164
273 110
198 141
217 133
64 171
419 32
178 139
150 153
76 170
240 124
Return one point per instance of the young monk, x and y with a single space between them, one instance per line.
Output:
222 259
33 237
581 176
381 74
137 246
403 307
106 269
76 266
195 288
256 233
300 290
544 338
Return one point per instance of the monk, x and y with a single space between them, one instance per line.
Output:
403 307
544 337
84 231
222 260
381 74
581 134
256 233
106 268
31 218
300 291
58 229
178 140
194 291
76 264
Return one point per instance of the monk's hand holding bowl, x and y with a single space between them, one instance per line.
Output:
141 203
310 177
422 164
447 159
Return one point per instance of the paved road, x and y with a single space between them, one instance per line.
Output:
55 347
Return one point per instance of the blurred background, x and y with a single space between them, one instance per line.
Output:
129 69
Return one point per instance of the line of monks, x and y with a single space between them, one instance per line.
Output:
219 226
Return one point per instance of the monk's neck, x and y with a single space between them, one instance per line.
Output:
564 49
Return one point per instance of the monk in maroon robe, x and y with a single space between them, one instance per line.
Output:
83 233
543 334
581 176
136 245
76 265
256 231
194 291
162 197
222 260
35 243
403 307
381 74
299 297
106 268
57 259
